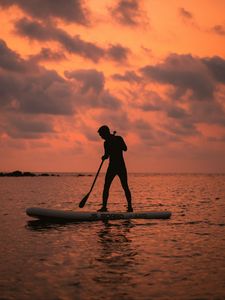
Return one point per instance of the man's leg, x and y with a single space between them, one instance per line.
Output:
123 178
108 180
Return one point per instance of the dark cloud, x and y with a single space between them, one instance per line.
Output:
142 125
27 128
75 45
30 92
185 13
153 102
219 29
90 79
91 89
143 130
128 76
46 54
47 93
107 100
46 32
26 87
216 66
44 92
188 18
147 101
176 124
149 106
176 112
128 12
70 10
184 121
151 136
9 59
118 53
210 113
184 110
185 73
34 30
181 127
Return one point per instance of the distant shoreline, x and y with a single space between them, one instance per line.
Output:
19 173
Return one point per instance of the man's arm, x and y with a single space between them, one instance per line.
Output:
123 144
106 155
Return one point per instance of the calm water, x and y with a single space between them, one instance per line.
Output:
180 258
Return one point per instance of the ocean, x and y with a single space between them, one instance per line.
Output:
180 258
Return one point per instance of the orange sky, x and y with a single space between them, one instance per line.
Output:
152 70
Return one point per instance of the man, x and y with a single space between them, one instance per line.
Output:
114 147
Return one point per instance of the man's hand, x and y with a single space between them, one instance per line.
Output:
104 157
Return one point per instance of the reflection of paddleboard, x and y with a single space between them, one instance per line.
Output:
72 216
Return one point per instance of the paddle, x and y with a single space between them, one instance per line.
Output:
84 200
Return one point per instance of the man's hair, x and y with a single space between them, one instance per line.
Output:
104 129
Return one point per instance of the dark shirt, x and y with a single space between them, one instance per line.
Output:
114 147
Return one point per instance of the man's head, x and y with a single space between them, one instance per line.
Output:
104 132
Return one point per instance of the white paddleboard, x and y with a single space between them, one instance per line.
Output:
73 216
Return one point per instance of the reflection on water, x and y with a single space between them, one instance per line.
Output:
38 225
181 258
116 259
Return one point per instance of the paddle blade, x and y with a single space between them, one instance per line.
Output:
83 201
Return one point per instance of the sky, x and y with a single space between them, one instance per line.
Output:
152 70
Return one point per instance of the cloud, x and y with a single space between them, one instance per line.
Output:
70 11
118 53
216 66
185 13
29 88
75 45
91 91
46 54
48 32
128 76
193 94
210 113
185 73
10 60
181 128
176 112
29 92
90 79
151 136
35 90
128 12
188 18
43 92
23 126
147 101
218 29
107 100
175 120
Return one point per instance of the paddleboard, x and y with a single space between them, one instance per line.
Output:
73 216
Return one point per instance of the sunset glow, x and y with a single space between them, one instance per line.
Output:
154 71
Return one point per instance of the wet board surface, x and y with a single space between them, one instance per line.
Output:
47 214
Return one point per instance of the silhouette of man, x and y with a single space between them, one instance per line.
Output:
114 147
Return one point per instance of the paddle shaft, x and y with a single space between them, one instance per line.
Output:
84 200
96 176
